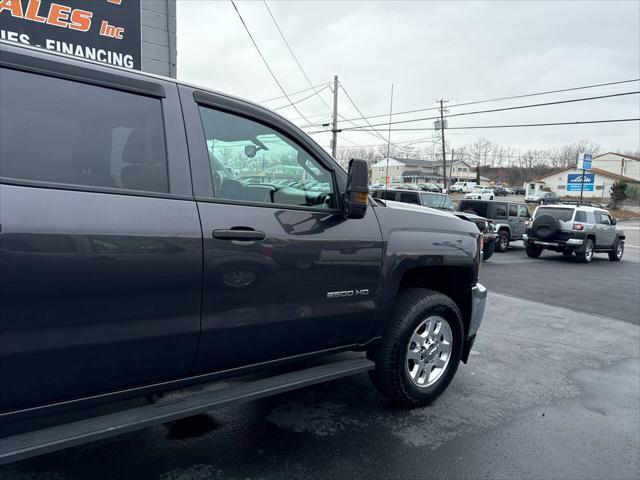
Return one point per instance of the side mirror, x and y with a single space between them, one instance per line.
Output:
614 221
250 150
356 195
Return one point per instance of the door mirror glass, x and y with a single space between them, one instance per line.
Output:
356 195
250 151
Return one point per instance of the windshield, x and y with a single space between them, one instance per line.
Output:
564 214
434 200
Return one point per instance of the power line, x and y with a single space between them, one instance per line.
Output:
293 54
266 63
296 93
302 99
507 126
363 117
507 98
534 105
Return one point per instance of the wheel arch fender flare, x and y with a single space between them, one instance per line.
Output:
503 226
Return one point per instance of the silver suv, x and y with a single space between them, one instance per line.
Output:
574 227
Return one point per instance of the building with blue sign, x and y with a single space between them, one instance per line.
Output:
567 182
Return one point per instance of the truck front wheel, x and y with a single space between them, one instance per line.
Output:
421 350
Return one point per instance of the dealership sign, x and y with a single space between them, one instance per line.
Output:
106 31
575 181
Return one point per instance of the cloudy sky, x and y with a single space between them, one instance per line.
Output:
462 51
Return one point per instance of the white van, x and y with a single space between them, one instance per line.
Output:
463 187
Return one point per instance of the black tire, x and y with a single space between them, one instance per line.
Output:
545 227
540 202
491 197
532 251
502 242
414 305
585 255
618 250
488 250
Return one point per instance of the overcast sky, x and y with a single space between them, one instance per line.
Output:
462 51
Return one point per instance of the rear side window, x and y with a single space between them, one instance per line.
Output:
581 217
409 198
501 211
54 130
564 214
513 210
386 195
479 208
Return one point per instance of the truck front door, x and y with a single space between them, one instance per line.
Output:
284 272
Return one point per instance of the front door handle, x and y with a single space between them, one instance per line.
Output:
242 234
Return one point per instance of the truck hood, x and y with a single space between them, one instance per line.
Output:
415 216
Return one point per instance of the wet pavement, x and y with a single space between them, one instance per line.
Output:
550 391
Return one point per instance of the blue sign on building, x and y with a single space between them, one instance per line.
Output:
574 182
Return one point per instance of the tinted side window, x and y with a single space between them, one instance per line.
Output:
501 211
581 217
387 195
513 210
409 198
479 208
55 130
251 162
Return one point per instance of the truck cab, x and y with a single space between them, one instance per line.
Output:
156 235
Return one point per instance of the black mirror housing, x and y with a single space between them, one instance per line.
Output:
614 221
356 196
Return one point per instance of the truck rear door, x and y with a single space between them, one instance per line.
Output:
100 243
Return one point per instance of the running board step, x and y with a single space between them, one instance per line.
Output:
48 440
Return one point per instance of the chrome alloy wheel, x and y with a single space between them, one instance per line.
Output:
429 351
588 252
619 249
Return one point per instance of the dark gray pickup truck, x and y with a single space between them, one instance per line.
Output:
156 235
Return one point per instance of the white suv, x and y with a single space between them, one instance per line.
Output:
480 193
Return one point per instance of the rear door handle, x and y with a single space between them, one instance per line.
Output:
239 234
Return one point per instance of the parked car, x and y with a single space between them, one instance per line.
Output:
121 225
541 198
509 191
440 201
583 229
376 186
480 193
519 191
462 187
500 192
443 202
509 218
430 187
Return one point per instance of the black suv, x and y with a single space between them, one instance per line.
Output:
509 218
136 260
443 202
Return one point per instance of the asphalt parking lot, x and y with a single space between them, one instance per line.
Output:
552 390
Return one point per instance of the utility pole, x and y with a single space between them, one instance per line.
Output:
334 128
444 153
386 180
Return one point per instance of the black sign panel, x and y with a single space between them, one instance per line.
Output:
106 31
